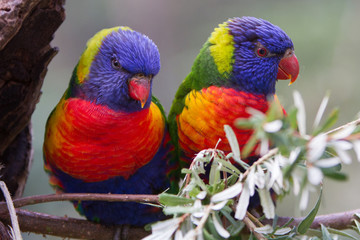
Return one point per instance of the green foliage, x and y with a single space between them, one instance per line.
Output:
306 223
216 206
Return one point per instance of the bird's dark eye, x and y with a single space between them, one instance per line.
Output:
261 52
115 64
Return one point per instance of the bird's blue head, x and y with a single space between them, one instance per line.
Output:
253 54
117 69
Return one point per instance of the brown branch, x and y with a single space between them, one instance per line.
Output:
70 227
251 226
340 221
81 197
76 228
254 219
65 227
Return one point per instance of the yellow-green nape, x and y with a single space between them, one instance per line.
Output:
222 48
92 48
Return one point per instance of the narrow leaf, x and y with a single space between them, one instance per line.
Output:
306 223
227 193
275 110
173 200
201 195
356 145
178 235
199 181
214 175
272 127
341 233
228 167
325 233
236 228
210 226
282 231
243 203
232 139
192 234
267 203
243 123
304 198
327 162
335 175
181 209
357 226
250 181
219 228
267 229
315 175
198 211
330 121
219 206
292 118
345 132
321 110
343 155
301 115
249 145
317 147
164 229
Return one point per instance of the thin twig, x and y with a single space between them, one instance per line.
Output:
31 200
254 219
355 122
260 161
204 217
66 227
14 220
251 226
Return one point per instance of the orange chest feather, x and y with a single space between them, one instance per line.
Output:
201 123
94 143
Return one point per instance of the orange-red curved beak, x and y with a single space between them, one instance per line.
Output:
139 88
288 67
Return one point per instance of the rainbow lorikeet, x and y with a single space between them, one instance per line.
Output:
108 134
236 68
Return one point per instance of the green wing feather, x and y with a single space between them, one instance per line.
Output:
204 73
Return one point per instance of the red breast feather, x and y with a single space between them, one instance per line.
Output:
200 125
94 143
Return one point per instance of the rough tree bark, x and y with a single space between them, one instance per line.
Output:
26 30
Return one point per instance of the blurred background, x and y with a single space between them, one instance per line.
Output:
326 35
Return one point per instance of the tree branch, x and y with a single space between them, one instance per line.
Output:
77 228
251 226
65 227
70 227
340 221
31 200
